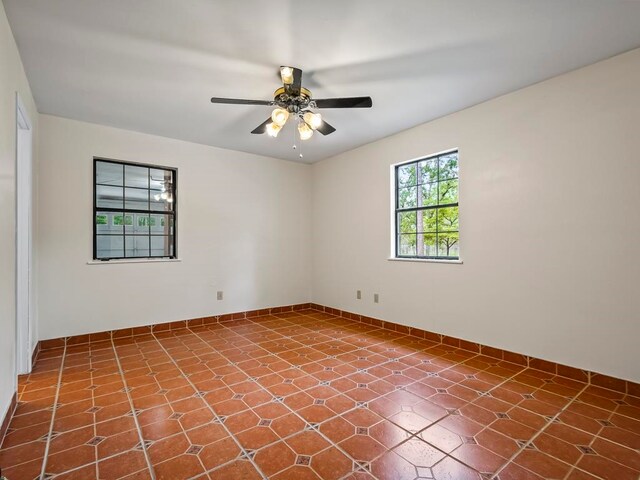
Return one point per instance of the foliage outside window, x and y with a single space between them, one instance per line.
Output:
134 211
426 219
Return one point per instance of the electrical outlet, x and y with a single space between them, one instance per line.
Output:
376 298
220 295
359 294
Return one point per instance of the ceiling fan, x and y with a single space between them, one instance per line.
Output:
293 100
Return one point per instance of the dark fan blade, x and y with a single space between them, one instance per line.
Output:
262 128
325 128
240 101
293 88
297 81
351 102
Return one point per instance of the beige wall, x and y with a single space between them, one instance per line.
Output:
12 80
243 228
549 198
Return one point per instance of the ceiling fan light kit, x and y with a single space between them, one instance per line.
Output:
293 100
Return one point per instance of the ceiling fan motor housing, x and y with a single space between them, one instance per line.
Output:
292 102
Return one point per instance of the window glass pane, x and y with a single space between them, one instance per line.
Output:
429 170
428 194
119 219
109 173
407 222
103 223
161 179
448 166
161 246
161 224
141 224
448 191
407 175
136 176
407 197
136 246
161 201
427 220
136 198
109 246
108 197
448 244
429 245
166 222
448 219
407 245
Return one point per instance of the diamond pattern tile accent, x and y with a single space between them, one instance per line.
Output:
95 441
176 416
264 423
303 460
147 444
247 454
586 450
194 450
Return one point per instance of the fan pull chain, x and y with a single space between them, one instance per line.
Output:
294 144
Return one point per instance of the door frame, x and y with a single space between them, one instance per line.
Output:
24 237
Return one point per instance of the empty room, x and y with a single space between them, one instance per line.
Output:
296 240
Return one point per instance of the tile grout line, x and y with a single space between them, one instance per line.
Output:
538 433
353 333
575 467
242 449
133 412
381 341
411 434
359 322
294 412
45 456
414 435
93 404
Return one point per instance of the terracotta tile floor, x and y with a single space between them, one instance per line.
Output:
306 395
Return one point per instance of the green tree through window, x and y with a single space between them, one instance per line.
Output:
427 224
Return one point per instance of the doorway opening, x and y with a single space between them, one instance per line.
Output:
24 248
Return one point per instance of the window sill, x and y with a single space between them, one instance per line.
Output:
424 260
134 260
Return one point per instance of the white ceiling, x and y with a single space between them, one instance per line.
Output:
152 65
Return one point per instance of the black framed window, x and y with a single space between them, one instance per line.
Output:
426 216
134 210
